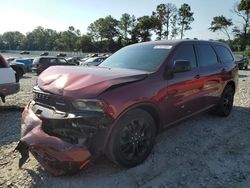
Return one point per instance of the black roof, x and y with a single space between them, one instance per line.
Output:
176 42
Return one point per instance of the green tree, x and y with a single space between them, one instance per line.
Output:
125 26
110 28
144 26
94 30
50 37
160 17
40 39
220 23
174 28
170 17
104 31
164 14
67 40
185 18
2 46
242 9
86 43
104 28
12 40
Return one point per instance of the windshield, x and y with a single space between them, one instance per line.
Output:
238 57
139 57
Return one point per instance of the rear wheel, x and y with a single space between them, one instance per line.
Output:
225 104
20 72
132 138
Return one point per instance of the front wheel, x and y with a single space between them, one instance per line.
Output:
225 104
132 138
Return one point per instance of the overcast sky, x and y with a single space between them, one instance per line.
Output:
25 15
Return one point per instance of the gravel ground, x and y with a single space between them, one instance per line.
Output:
204 151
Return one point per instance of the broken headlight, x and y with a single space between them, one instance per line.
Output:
88 104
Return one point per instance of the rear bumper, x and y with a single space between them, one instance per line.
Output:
10 88
55 155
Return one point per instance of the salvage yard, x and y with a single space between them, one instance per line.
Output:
204 151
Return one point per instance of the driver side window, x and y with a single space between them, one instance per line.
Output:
185 52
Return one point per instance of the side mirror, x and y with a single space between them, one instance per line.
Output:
182 66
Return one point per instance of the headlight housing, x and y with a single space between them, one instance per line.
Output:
88 104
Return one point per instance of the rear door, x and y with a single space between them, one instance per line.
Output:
211 72
184 89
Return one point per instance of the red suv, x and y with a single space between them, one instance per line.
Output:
119 107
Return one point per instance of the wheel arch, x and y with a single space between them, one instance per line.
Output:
148 107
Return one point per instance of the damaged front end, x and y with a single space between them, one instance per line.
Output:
61 136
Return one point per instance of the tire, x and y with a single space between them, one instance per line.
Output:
225 104
21 73
132 138
246 67
17 76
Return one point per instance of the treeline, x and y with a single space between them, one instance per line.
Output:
241 33
106 34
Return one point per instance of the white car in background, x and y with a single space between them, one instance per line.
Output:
8 82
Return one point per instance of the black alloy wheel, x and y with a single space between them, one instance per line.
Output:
132 138
226 102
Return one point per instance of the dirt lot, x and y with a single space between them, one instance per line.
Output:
204 151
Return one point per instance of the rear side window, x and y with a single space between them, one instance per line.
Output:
224 54
44 61
52 61
206 55
185 52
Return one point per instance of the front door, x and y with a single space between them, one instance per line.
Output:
183 89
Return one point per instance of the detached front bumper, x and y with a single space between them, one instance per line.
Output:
55 154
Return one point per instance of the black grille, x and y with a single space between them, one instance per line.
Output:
55 101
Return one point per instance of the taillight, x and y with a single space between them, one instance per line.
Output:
3 62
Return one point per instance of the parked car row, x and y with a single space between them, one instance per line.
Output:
242 61
19 69
43 62
93 61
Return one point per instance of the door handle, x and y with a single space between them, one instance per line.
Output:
197 76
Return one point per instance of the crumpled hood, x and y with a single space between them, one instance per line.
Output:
84 82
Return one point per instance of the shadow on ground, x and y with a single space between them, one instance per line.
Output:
10 123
